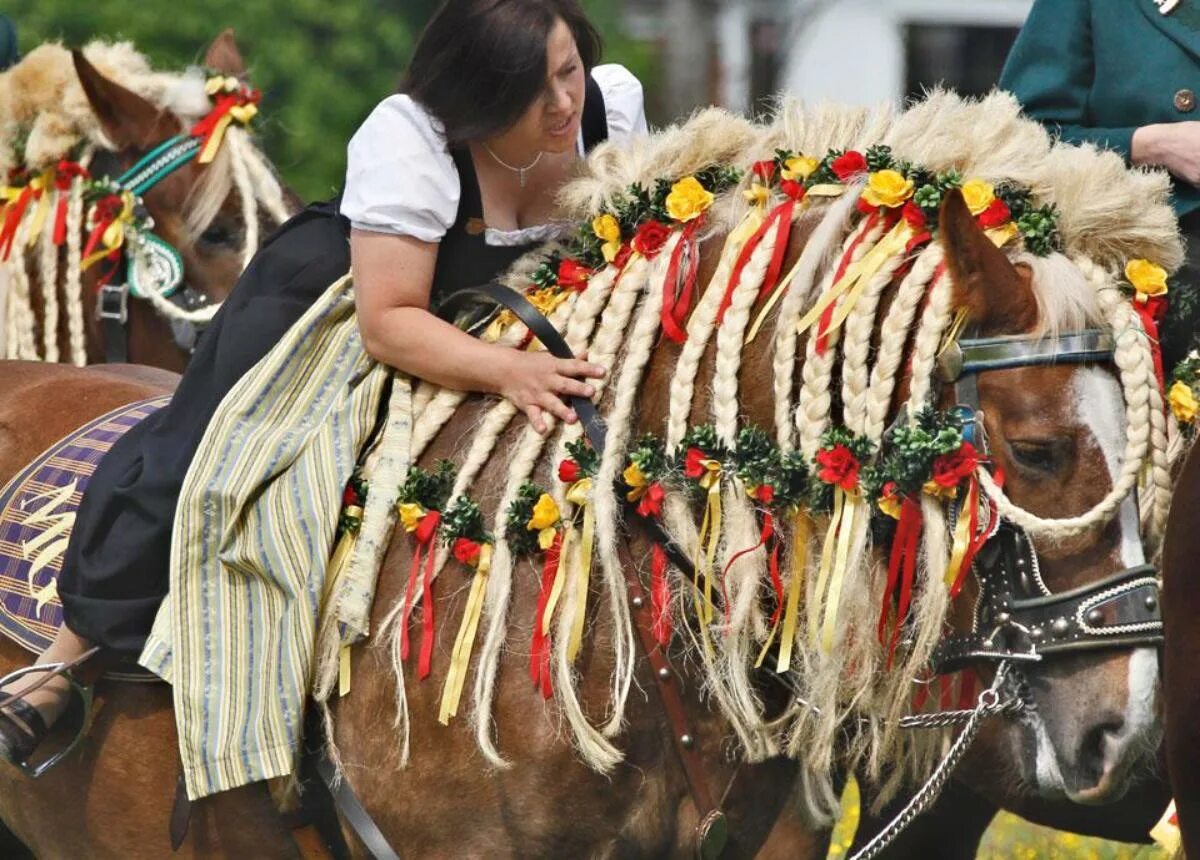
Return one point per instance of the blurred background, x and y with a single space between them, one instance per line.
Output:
323 65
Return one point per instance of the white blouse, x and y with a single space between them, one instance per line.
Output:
400 178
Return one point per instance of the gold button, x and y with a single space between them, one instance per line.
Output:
1185 101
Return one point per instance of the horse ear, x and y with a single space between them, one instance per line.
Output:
128 119
997 295
223 55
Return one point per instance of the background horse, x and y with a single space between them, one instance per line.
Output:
541 798
97 114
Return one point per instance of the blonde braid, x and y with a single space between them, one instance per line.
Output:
700 327
813 259
73 287
1160 481
893 337
934 321
730 336
26 347
856 346
48 266
813 411
1132 357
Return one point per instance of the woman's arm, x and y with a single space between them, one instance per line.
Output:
393 276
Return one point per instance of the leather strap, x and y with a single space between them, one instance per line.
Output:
112 309
181 813
353 813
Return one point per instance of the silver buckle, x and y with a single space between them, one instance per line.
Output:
112 303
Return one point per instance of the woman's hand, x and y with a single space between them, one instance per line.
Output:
1173 145
534 381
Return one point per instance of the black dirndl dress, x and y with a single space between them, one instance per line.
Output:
115 570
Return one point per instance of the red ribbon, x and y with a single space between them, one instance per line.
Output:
679 286
978 539
539 655
423 536
1151 312
901 571
660 597
781 219
12 220
223 103
64 175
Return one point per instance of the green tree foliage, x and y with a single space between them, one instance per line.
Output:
322 66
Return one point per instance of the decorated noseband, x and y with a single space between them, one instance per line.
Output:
1016 616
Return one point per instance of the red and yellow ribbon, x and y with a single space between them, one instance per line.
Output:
110 218
464 642
232 102
423 526
579 495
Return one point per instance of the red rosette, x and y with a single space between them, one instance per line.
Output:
568 471
573 275
650 238
849 165
996 215
839 467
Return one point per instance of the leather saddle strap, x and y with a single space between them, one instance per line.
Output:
353 813
712 830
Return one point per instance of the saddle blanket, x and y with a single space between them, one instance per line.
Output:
37 514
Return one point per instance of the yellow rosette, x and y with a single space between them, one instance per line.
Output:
636 481
607 229
799 167
1183 402
411 514
888 188
688 200
978 195
545 518
757 194
1148 279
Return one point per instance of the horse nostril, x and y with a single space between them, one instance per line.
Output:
1096 750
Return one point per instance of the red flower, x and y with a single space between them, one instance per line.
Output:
996 215
650 238
466 551
650 504
914 216
848 166
765 493
793 189
108 208
764 170
350 497
623 256
692 467
568 471
864 207
839 466
950 469
573 275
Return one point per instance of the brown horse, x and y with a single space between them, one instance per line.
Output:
214 215
1061 455
1181 676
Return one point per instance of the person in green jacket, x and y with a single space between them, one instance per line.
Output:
1124 75
8 43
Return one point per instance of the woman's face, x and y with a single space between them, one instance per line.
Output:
551 123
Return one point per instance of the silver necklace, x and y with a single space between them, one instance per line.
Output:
520 171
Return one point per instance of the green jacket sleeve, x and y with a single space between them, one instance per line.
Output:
1051 71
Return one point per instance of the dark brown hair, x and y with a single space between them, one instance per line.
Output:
480 63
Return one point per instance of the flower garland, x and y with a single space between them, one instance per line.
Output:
472 546
534 524
421 501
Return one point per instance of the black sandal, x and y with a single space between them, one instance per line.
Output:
22 729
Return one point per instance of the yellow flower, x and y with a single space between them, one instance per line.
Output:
608 231
633 476
580 492
545 513
688 199
933 488
800 167
1001 236
1147 278
888 188
978 195
890 504
411 514
547 299
757 193
1183 401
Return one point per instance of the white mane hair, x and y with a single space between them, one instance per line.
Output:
45 117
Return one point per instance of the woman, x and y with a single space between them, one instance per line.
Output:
1124 75
448 182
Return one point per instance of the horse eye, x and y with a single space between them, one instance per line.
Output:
218 234
1038 456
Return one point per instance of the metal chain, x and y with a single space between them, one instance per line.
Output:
989 702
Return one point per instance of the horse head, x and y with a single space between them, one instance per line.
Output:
213 213
1070 585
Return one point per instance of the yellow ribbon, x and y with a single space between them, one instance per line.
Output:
464 642
344 671
114 235
845 539
579 494
826 564
706 544
776 294
856 278
801 529
556 589
828 189
338 562
41 186
968 501
952 333
242 114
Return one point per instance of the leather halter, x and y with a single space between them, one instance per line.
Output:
1017 617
